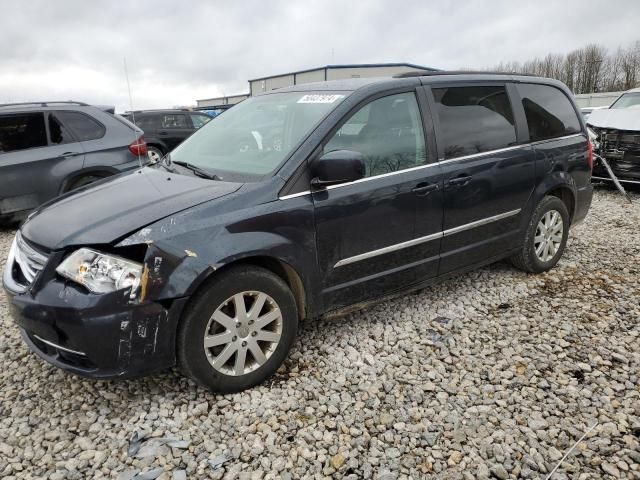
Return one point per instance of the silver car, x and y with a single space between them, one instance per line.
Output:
49 148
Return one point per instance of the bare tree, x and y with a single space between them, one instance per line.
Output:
586 70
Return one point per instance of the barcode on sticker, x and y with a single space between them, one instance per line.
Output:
317 98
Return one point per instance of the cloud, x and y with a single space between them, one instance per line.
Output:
180 51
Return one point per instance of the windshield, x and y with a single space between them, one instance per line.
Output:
627 100
254 137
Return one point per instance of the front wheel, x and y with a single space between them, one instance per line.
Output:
237 330
545 237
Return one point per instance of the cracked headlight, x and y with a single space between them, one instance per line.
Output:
101 272
594 137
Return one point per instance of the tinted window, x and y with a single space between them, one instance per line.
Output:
173 120
147 122
22 131
199 120
474 119
387 131
82 126
549 112
59 134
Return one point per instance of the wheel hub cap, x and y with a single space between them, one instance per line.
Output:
548 236
243 333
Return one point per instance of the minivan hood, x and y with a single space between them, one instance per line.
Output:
109 210
617 118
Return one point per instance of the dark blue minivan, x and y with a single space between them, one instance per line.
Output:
297 203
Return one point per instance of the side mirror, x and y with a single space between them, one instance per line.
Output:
336 167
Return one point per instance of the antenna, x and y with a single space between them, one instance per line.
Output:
133 113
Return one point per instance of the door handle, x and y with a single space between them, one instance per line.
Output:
163 133
423 189
461 180
69 154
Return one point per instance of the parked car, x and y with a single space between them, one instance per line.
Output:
50 148
586 111
164 130
616 138
209 259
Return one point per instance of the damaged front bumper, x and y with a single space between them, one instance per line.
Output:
621 149
97 336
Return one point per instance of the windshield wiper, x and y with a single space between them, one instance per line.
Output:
201 172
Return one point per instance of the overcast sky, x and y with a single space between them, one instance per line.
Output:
180 50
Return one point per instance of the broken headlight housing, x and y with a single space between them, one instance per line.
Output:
594 136
102 272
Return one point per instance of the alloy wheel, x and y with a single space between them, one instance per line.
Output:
548 238
243 333
154 155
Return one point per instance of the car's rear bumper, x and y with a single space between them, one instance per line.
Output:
584 196
98 336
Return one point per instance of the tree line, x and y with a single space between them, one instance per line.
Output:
589 69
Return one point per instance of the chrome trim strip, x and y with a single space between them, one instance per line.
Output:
391 248
51 344
479 223
360 180
294 195
383 175
7 277
547 140
428 238
439 162
481 154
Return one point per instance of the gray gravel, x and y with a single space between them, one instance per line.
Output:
494 374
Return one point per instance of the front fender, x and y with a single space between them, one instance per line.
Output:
184 250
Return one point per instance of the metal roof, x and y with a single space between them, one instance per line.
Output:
354 65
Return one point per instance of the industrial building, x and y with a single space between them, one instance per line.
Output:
320 74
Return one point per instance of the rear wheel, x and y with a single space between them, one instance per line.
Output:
154 153
545 237
238 330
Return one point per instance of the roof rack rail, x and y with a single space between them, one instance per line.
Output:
160 110
457 72
43 104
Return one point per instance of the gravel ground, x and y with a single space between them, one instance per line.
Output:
494 374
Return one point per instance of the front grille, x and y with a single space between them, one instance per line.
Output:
616 143
28 260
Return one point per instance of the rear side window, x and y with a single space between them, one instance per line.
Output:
147 122
199 120
84 127
174 120
59 134
22 131
474 119
549 112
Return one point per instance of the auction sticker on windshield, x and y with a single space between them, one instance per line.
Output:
317 98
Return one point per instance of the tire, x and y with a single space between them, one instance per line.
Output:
212 313
529 258
154 153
